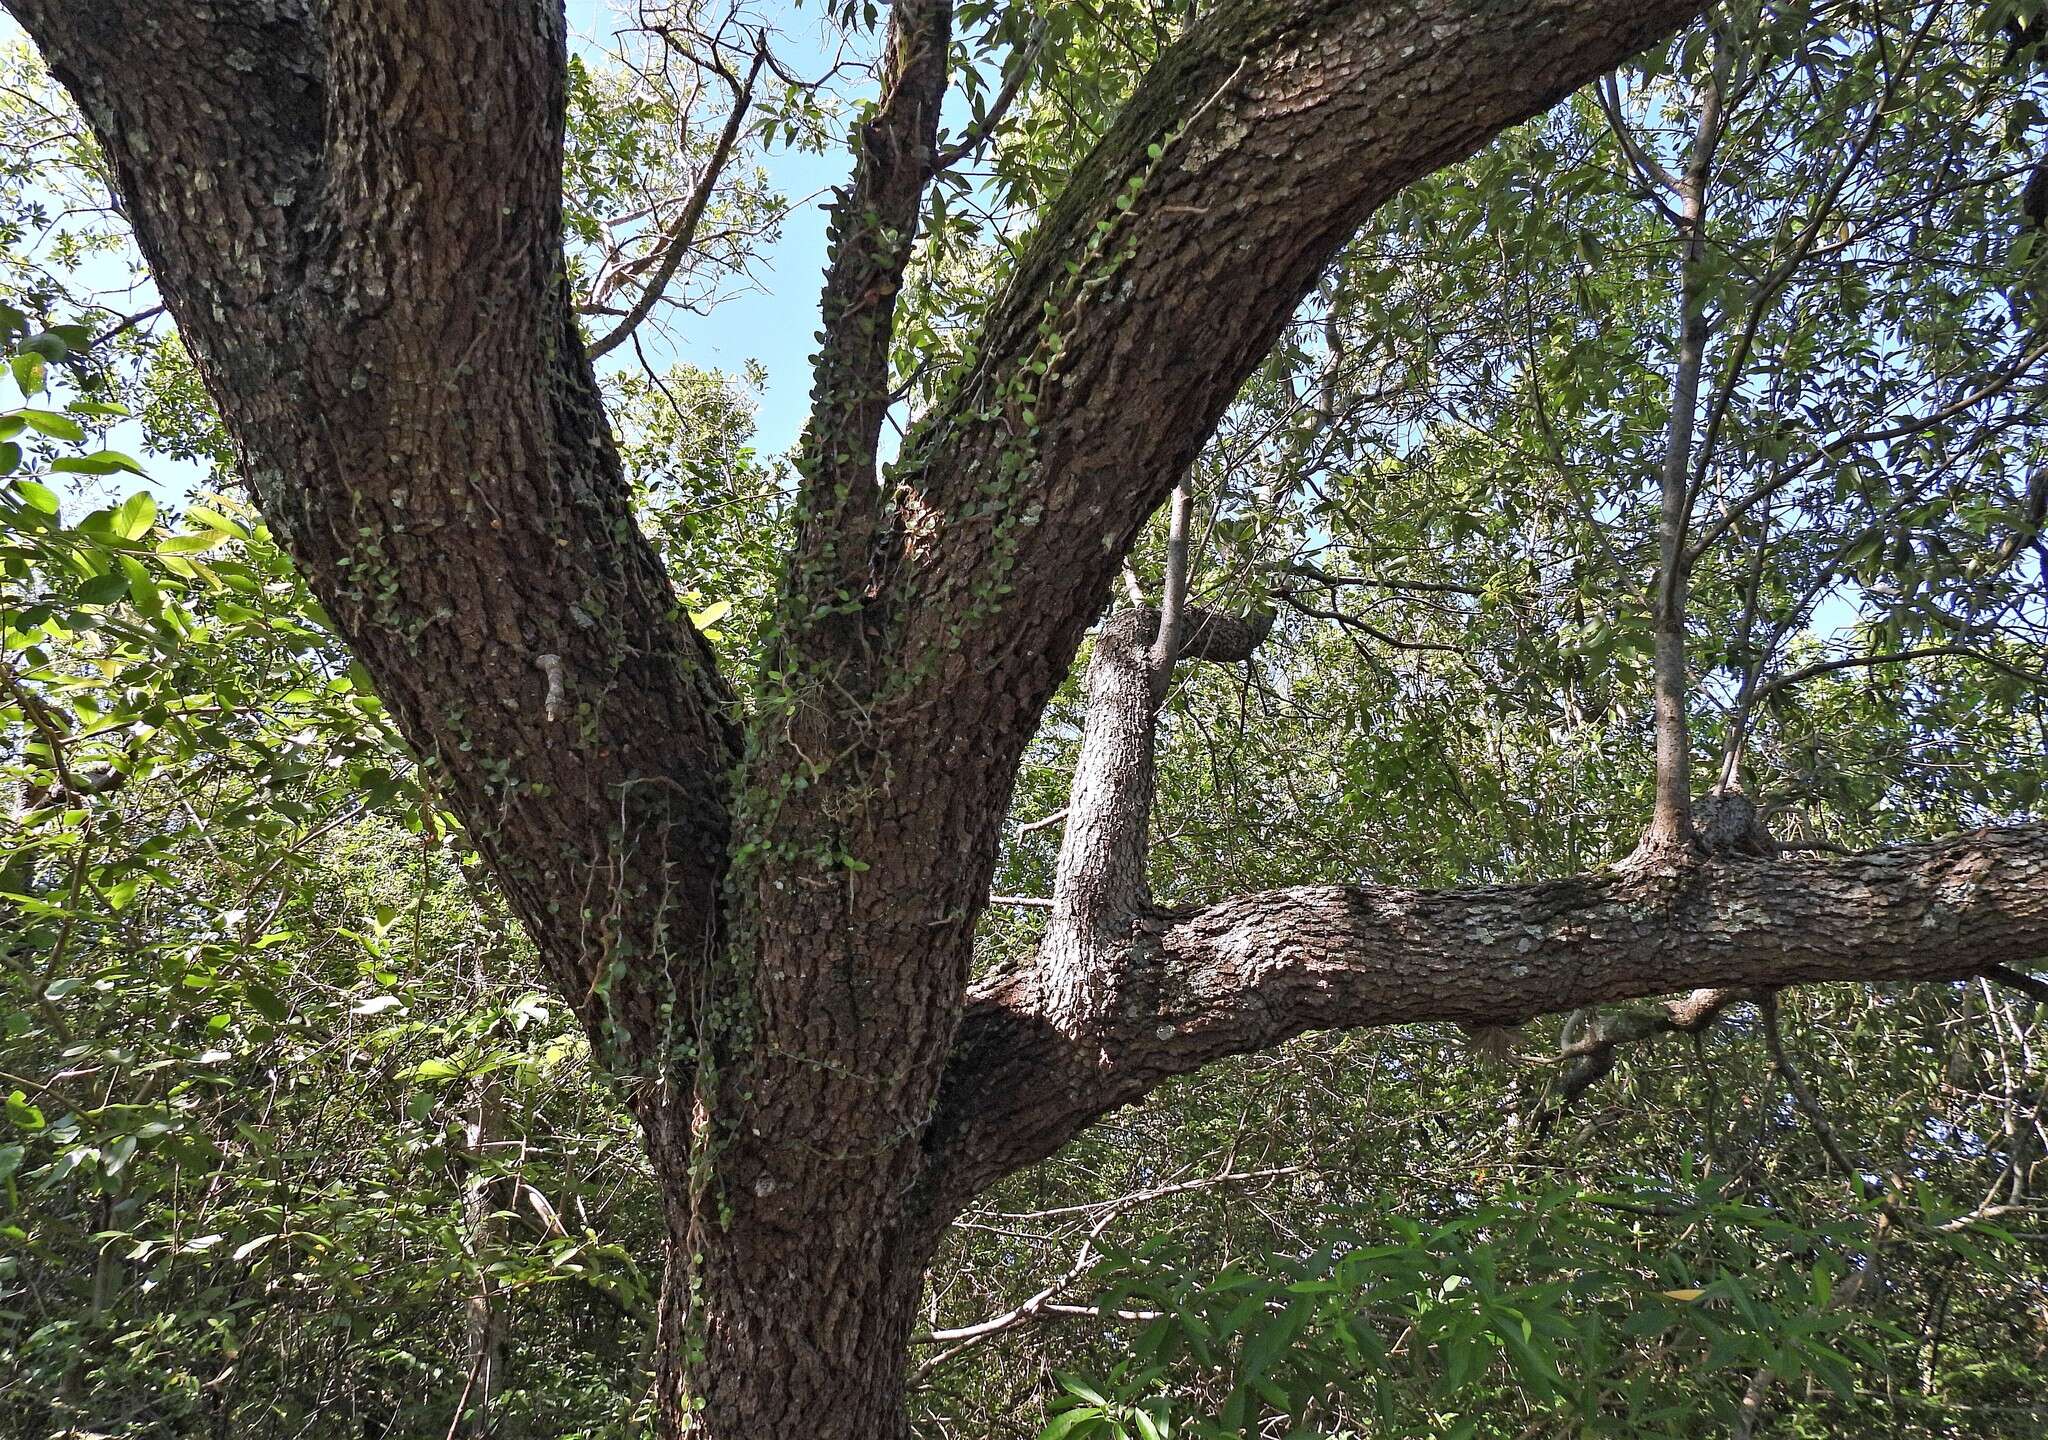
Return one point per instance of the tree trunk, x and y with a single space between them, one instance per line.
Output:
781 1324
353 210
1671 826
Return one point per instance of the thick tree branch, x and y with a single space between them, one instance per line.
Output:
354 213
1670 831
1173 594
246 139
920 641
1268 133
1245 974
874 222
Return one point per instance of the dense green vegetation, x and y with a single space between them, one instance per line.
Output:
299 1142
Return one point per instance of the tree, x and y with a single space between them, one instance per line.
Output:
763 914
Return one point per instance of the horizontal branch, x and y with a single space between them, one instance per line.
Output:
1248 973
1896 657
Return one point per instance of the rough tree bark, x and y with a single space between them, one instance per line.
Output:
1249 972
353 210
1100 894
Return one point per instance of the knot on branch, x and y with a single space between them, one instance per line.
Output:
1213 635
1726 825
1729 824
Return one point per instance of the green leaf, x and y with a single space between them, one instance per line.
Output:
249 1247
1068 1423
100 462
1074 1385
117 1155
141 588
197 544
28 373
214 520
41 497
103 589
133 517
267 1002
24 1115
54 424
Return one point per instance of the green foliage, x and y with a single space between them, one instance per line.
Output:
292 1137
1546 1310
286 1118
280 1099
1445 475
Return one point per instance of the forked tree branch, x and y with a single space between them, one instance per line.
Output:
1099 886
1590 1054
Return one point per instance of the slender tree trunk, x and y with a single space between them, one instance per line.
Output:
1671 827
484 1199
483 1318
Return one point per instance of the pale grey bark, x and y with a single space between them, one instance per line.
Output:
1671 828
1247 973
1099 890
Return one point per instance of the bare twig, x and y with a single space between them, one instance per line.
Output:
677 243
1021 66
